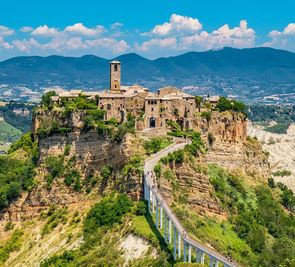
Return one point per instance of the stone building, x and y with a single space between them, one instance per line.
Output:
152 109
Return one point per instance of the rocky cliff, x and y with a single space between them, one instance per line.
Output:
229 146
83 150
225 137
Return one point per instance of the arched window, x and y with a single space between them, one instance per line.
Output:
152 122
115 67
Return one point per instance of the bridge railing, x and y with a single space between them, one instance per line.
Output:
184 246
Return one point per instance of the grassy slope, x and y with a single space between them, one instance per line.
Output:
8 133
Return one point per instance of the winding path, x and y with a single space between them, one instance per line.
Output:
183 245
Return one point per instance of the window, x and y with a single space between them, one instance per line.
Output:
115 67
152 109
109 106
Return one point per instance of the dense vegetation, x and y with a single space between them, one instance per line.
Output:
14 243
259 232
17 174
8 133
227 104
156 144
263 114
267 113
104 222
19 121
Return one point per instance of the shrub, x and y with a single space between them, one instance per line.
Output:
282 173
156 144
67 150
124 128
55 165
211 139
46 98
11 245
280 128
15 176
107 212
8 226
141 208
206 115
71 177
55 216
226 104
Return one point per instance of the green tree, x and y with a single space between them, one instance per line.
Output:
46 98
198 100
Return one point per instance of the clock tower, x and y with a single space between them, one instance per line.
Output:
115 76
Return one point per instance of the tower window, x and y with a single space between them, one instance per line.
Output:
115 67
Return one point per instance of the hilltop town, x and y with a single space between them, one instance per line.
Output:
151 109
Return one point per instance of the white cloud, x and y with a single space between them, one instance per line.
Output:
26 45
75 43
4 44
177 24
290 29
109 43
284 39
26 29
116 25
44 31
80 29
240 36
158 43
5 31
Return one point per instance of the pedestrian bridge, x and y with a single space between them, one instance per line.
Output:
184 247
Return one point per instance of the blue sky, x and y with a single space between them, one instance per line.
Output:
151 28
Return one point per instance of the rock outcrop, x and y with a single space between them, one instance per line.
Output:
229 145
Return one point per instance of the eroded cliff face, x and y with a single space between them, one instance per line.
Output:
230 147
227 146
190 185
88 152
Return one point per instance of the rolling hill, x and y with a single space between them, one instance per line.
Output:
257 64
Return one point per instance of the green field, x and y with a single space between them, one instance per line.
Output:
8 133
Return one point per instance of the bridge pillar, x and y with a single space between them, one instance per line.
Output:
184 251
145 188
179 245
189 253
153 198
211 263
170 231
161 217
199 256
165 226
174 243
157 214
149 199
202 257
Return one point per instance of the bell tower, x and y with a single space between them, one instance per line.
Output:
115 76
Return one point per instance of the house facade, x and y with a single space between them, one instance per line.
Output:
152 109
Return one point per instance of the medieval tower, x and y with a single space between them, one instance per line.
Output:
115 76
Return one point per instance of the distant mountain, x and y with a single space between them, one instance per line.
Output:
257 64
